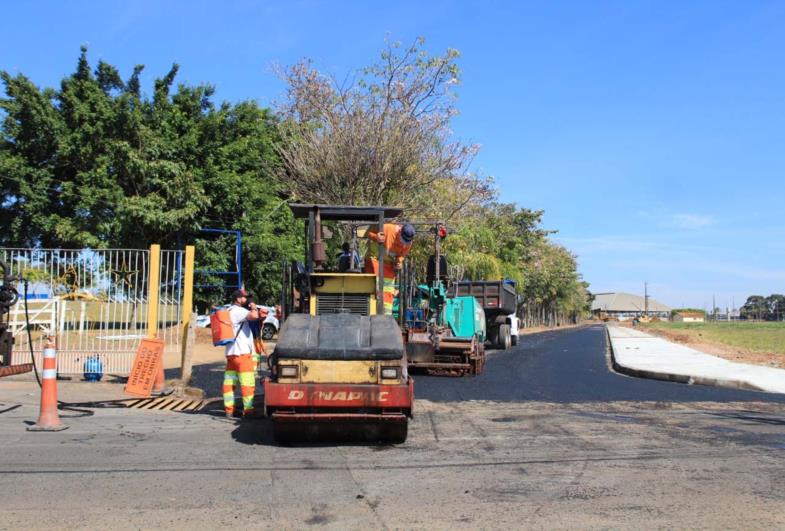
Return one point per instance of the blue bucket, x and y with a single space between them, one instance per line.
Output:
93 369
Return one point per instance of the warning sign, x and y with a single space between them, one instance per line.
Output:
147 363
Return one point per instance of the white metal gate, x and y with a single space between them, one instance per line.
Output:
94 303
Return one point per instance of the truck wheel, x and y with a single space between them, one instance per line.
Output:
268 331
493 336
514 340
504 336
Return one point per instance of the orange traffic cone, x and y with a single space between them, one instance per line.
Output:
48 419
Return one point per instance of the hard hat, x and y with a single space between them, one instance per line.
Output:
407 233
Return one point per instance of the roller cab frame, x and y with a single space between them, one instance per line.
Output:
339 366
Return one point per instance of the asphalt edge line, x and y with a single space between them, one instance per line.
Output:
679 378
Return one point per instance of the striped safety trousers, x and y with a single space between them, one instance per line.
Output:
390 286
239 369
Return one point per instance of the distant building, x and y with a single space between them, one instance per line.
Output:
689 317
729 315
626 306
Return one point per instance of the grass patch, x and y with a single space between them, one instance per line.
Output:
758 337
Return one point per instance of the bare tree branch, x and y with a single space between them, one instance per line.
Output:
381 138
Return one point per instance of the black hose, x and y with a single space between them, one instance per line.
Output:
6 410
65 406
30 338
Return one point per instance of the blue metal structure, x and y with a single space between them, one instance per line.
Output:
238 260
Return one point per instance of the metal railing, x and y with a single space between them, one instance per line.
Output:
94 302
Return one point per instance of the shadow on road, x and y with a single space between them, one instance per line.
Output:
260 432
254 432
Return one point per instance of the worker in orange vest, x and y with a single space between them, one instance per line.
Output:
240 363
397 240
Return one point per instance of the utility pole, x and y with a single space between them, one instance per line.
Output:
646 299
713 307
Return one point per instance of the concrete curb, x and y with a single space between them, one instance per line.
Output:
679 378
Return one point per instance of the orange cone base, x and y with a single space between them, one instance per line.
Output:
40 427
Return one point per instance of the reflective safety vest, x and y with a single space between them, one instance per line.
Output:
396 248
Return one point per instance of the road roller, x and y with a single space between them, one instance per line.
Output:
338 370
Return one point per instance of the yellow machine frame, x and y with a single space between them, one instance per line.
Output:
341 283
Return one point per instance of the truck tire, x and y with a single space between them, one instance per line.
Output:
514 340
493 336
505 338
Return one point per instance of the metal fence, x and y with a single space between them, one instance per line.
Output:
94 302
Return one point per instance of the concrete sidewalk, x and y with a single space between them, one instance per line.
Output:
640 354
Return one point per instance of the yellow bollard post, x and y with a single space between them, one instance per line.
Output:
188 299
153 289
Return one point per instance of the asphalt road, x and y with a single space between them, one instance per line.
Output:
568 366
546 438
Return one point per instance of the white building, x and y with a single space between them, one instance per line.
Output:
626 306
689 317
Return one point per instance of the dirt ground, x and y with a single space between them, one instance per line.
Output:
204 351
767 359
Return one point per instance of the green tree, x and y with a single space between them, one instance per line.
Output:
755 307
96 164
776 307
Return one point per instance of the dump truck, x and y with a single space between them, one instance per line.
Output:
339 366
498 300
445 335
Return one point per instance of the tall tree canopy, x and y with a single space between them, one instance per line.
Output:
771 308
98 164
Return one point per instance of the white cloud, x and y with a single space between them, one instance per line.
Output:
687 221
691 221
627 245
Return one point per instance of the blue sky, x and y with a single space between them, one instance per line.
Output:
652 133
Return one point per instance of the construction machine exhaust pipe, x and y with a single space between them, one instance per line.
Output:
317 245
